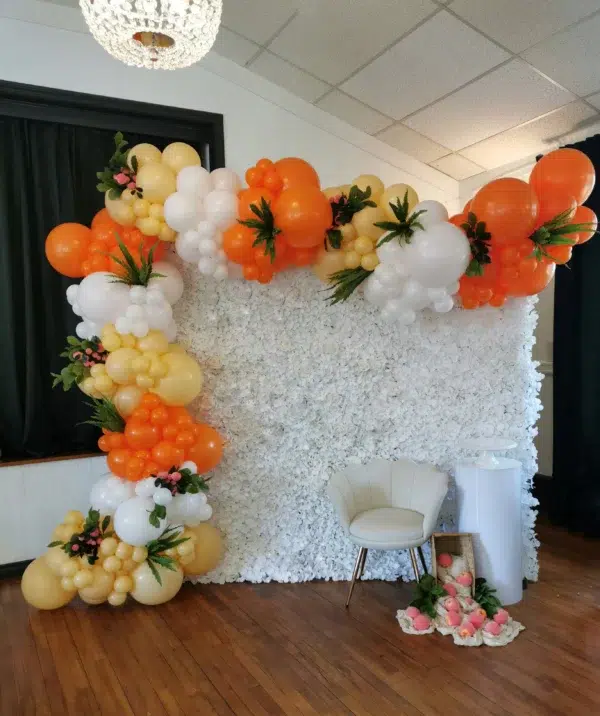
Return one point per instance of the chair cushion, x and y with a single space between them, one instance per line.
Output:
392 527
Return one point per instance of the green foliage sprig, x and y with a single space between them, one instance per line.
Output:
486 597
87 542
479 240
82 355
427 592
556 232
343 208
264 227
178 482
404 226
105 416
169 539
345 282
117 176
135 275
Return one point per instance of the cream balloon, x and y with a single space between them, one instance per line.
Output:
56 558
144 153
120 211
155 340
42 588
100 588
331 191
148 225
147 590
394 193
127 398
183 381
364 220
179 155
364 181
119 365
328 263
209 549
157 181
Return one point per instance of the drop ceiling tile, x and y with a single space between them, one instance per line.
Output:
332 39
234 47
457 167
354 112
285 75
413 143
258 20
519 24
439 56
571 57
530 138
508 96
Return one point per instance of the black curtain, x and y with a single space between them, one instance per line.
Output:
575 489
47 176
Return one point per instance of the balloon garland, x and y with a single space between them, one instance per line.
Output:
147 526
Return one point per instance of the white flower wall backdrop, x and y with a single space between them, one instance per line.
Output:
301 389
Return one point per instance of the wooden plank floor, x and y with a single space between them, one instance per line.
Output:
294 649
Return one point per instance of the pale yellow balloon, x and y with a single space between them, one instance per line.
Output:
83 579
111 342
123 584
363 221
97 370
88 386
209 549
179 155
157 182
148 226
117 599
141 364
144 153
120 211
331 191
141 208
176 348
139 554
56 558
124 550
128 566
105 385
67 584
146 590
63 532
42 588
185 548
157 211
108 546
128 340
100 588
345 189
112 564
119 365
348 232
364 181
127 398
166 233
394 193
328 263
153 341
128 196
70 568
143 381
183 381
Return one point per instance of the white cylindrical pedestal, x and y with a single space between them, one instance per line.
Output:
489 506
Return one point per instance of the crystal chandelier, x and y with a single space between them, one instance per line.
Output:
157 34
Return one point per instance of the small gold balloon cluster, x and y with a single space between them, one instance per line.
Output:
359 236
119 569
155 180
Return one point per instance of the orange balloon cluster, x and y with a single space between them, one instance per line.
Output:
158 437
76 251
301 215
526 241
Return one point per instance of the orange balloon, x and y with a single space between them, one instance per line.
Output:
566 171
583 215
458 220
116 440
295 172
552 203
509 208
117 461
170 431
135 469
103 443
303 214
237 244
247 197
150 400
532 283
304 257
255 176
208 448
264 164
251 272
67 247
560 254
159 415
140 435
185 439
103 218
273 181
165 455
141 413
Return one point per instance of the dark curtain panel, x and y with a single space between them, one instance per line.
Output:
47 176
576 470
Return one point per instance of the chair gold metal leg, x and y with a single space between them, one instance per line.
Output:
355 574
413 559
362 563
422 558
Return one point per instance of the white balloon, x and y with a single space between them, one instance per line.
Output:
140 328
388 276
136 312
396 310
207 247
170 331
155 297
131 522
181 211
87 329
137 294
72 293
189 465
194 181
443 305
162 496
186 245
123 325
171 283
375 292
206 229
225 180
160 317
109 492
145 487
414 295
390 252
434 212
76 309
452 288
188 509
207 265
438 256
221 208
221 272
101 300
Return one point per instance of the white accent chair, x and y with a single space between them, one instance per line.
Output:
388 505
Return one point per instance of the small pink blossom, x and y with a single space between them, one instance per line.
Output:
131 185
175 476
77 354
121 178
88 351
100 348
95 533
99 540
74 548
91 541
96 356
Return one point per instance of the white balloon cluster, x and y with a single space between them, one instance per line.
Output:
130 505
99 299
423 273
204 205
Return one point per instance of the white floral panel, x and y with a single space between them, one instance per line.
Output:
300 389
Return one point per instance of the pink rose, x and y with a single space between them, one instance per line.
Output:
121 178
74 548
88 351
95 533
131 185
175 476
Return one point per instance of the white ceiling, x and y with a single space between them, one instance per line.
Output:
464 85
